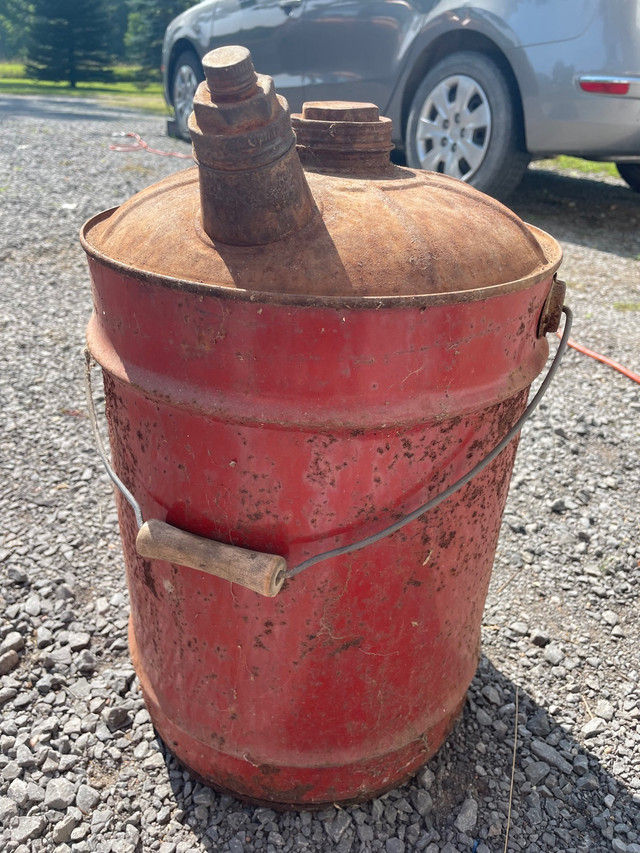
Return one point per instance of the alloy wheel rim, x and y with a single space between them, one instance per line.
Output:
454 128
184 89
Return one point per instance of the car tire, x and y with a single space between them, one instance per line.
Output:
464 122
630 172
187 74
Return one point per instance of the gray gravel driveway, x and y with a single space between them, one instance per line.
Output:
80 767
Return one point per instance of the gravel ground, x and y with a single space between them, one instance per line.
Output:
80 767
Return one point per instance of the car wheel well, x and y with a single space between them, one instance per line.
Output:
453 43
630 172
180 47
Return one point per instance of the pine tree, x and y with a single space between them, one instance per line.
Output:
68 40
118 11
13 18
148 20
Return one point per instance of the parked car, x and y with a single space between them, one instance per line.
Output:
475 89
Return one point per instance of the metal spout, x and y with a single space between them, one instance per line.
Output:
252 187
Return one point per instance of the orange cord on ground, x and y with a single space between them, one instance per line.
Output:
141 145
603 358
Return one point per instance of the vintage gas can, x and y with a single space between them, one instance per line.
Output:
294 359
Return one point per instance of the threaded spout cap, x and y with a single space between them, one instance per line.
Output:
230 74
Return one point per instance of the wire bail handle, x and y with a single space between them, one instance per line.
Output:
266 573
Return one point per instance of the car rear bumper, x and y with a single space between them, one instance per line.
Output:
590 124
581 95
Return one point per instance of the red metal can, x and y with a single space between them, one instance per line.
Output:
293 361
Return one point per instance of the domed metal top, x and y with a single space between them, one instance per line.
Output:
352 225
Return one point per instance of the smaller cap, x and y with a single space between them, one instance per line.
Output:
339 111
338 135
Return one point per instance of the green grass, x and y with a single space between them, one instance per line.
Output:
626 306
11 69
124 91
586 167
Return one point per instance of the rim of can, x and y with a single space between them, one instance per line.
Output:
552 251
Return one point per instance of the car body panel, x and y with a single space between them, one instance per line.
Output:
363 50
190 30
380 50
531 22
562 119
273 34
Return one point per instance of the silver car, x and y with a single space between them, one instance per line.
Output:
475 89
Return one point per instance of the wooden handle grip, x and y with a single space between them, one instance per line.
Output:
263 573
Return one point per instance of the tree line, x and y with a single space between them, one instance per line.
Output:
81 40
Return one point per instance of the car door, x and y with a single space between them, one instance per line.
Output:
270 30
353 48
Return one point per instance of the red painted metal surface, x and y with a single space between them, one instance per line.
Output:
292 423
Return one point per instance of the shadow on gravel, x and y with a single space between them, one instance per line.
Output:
583 210
556 782
59 109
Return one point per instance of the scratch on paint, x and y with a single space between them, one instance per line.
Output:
378 654
413 373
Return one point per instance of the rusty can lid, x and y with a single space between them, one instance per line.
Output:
378 230
414 234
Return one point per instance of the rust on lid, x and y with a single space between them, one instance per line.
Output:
351 224
342 135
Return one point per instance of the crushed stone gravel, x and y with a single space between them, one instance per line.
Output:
81 769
